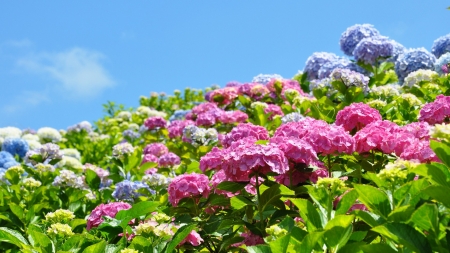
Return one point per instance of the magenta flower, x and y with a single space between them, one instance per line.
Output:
211 160
110 210
273 110
320 173
156 149
169 160
297 177
149 158
224 96
244 130
176 127
155 122
330 139
188 186
419 150
231 117
299 129
420 130
218 178
208 118
379 135
193 238
296 150
357 115
257 91
436 112
201 108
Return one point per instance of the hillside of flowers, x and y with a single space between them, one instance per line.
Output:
351 154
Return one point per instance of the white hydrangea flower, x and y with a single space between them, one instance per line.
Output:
72 153
414 78
10 132
49 134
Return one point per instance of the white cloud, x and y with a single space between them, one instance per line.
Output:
78 71
25 100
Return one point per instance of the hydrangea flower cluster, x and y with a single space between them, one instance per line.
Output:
47 153
176 127
156 149
351 78
436 112
131 134
354 34
128 190
48 134
265 78
155 122
441 46
122 149
110 210
442 65
292 117
59 230
421 75
15 146
101 173
273 110
385 92
356 115
68 178
179 115
224 96
231 117
10 132
30 182
188 186
242 131
82 126
156 179
199 136
371 49
412 60
59 216
341 62
169 160
316 61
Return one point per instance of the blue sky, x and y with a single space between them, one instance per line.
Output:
61 60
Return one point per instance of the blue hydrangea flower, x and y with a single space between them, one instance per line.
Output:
315 62
354 34
15 146
369 50
292 117
443 60
441 46
7 160
398 50
351 78
341 62
265 78
132 135
84 125
127 190
179 115
412 60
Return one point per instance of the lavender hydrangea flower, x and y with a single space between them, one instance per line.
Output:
292 117
265 78
47 152
128 190
398 50
82 126
68 178
131 135
412 60
233 84
351 78
354 34
316 61
341 62
7 160
369 50
442 64
179 115
15 146
122 149
441 46
199 136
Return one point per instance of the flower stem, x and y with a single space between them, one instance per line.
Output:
258 194
329 165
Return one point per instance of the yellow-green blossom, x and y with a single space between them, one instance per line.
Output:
59 216
258 104
16 169
275 232
411 99
145 228
377 104
41 168
161 217
334 184
165 229
129 251
440 132
31 182
58 229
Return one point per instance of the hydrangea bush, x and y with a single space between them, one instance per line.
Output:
350 155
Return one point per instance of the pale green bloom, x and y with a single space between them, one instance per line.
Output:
59 216
377 104
165 229
41 168
16 169
258 104
70 162
72 153
49 134
411 99
330 183
275 232
10 132
129 251
440 132
146 227
58 229
31 182
414 78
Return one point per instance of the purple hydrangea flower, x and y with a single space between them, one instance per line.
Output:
233 84
412 60
351 78
84 125
15 146
179 115
128 190
341 62
315 62
398 50
441 46
354 34
130 134
292 117
265 78
442 64
48 152
370 49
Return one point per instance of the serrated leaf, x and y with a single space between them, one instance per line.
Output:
439 193
310 241
12 236
338 230
404 234
346 202
433 172
274 193
95 248
280 244
374 199
426 217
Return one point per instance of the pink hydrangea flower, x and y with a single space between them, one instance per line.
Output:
187 186
251 186
156 149
299 129
296 150
201 108
357 115
218 178
330 139
151 171
244 130
169 160
273 110
250 239
315 175
436 112
224 96
420 130
231 117
110 210
193 238
419 150
379 135
258 91
155 122
208 118
211 160
246 88
149 158
284 84
176 127
297 177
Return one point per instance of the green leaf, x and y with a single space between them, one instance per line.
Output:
280 244
148 165
274 193
426 217
259 249
112 248
141 244
92 179
402 213
310 241
231 186
404 234
12 236
377 248
439 193
434 173
309 214
139 209
239 202
98 247
374 199
358 236
17 211
41 241
442 151
261 142
346 202
369 218
338 230
194 166
179 236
